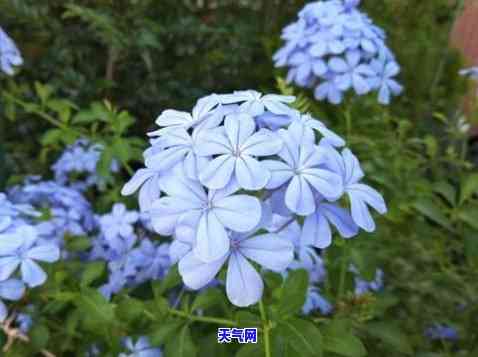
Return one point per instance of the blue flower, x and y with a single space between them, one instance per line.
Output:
363 286
255 103
9 54
213 213
315 301
12 289
22 248
244 284
118 223
384 81
301 170
441 332
80 158
141 348
236 150
332 47
350 73
360 195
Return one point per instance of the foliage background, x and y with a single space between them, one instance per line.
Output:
144 56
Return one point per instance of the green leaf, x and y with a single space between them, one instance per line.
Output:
469 187
95 308
104 163
391 335
447 191
469 215
52 136
302 336
251 350
182 345
43 91
207 299
430 210
247 319
294 292
130 309
39 336
92 272
170 280
338 339
165 331
121 150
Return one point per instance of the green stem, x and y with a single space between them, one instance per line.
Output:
207 319
343 272
266 328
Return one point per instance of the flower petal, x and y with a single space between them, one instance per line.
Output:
280 173
45 253
244 285
136 181
12 289
326 182
218 172
316 231
239 127
32 274
7 266
197 274
269 251
250 174
212 241
240 213
299 197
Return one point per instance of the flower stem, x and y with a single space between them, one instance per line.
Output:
266 328
183 314
343 272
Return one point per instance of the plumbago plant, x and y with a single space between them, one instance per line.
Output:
246 186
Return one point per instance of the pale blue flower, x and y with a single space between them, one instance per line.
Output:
244 284
301 170
173 119
141 348
80 158
213 212
9 54
315 301
255 103
363 286
22 248
11 289
360 195
351 73
384 81
442 332
237 149
118 223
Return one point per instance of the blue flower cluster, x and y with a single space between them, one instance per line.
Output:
441 332
334 47
214 179
9 54
76 167
140 347
64 209
132 257
363 286
21 248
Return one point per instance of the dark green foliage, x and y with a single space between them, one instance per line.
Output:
104 70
